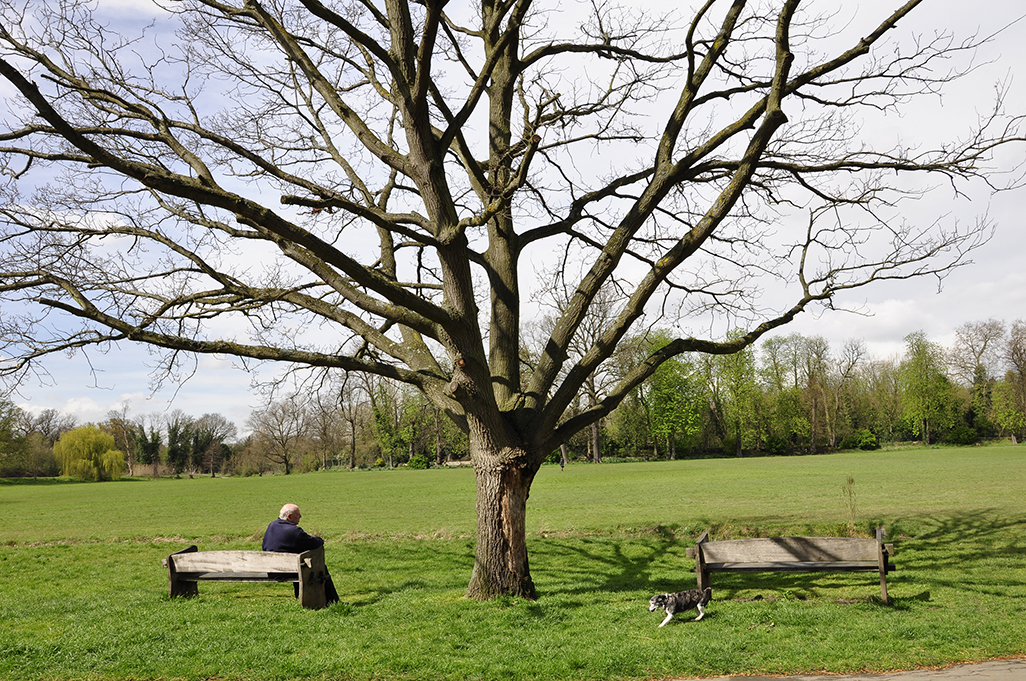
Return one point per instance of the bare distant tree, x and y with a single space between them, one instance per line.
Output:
327 425
354 181
974 356
281 425
49 423
354 407
123 430
1014 351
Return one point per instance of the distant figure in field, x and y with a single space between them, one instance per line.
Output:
284 535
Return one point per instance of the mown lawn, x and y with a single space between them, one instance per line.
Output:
83 594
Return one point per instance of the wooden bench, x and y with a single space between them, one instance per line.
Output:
189 566
793 554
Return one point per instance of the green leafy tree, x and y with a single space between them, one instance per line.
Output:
675 399
179 442
1009 408
780 375
733 380
885 399
393 168
13 447
210 435
88 452
926 391
1010 394
147 445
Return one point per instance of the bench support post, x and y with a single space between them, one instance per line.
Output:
703 574
312 576
882 554
178 588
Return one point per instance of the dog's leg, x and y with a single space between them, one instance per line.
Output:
669 616
701 612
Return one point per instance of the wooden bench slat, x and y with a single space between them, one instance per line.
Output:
795 566
236 561
791 549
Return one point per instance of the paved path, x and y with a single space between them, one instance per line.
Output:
995 670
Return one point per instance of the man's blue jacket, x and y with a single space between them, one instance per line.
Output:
286 537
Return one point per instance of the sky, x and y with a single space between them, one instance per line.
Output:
994 286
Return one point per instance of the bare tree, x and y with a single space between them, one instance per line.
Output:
391 168
327 425
973 357
601 314
123 429
49 423
281 425
353 406
1014 350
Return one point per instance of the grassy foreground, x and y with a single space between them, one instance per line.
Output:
83 594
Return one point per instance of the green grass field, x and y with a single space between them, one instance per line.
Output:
83 593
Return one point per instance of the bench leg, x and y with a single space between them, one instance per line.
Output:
176 587
312 575
704 580
182 589
881 553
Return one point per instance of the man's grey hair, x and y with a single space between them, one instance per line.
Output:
286 511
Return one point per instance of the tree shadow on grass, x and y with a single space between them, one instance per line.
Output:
979 551
602 565
366 573
953 541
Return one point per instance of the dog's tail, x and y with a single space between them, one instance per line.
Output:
707 595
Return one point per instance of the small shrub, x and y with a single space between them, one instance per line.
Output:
777 445
861 439
963 435
418 462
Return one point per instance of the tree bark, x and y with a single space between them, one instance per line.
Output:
500 562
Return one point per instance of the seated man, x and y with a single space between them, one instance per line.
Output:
284 535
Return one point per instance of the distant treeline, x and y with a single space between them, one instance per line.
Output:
788 395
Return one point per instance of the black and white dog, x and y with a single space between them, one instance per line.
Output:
680 602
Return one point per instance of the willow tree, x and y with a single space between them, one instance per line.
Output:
362 185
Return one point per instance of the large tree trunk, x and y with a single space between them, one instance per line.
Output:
500 563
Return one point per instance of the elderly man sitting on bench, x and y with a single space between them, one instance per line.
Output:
284 535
